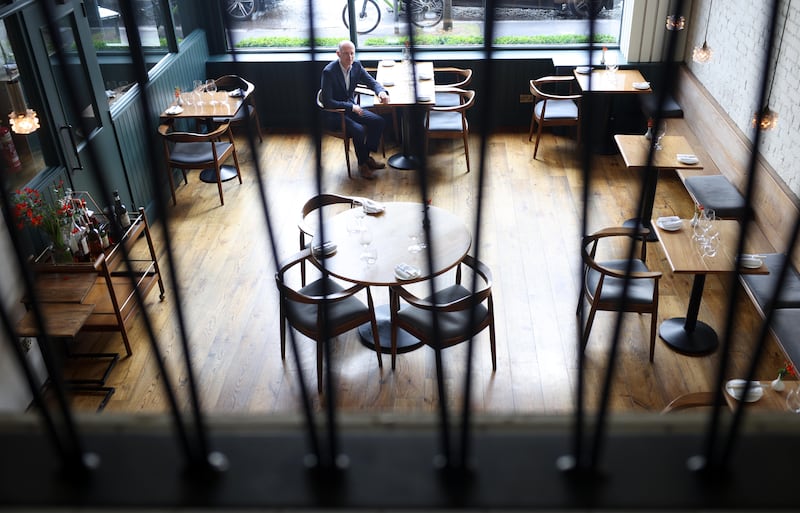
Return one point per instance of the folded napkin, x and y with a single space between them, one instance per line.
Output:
687 156
641 85
370 206
236 93
668 219
406 272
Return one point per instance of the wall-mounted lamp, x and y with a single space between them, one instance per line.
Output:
23 120
676 22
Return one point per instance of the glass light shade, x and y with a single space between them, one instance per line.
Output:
765 120
702 54
24 123
676 22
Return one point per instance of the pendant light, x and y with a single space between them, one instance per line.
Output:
22 119
702 54
766 118
676 22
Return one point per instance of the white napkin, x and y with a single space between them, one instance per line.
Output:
236 93
668 219
687 156
371 206
406 272
641 85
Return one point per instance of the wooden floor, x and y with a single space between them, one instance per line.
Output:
529 237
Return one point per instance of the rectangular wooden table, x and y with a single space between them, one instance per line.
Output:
635 151
407 87
225 106
604 87
687 335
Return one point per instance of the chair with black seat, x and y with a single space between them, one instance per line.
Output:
322 309
190 150
604 281
308 223
248 112
461 313
447 77
553 108
339 132
451 122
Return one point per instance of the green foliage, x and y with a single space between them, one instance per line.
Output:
429 40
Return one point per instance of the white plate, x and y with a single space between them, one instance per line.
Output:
387 64
735 388
175 109
423 98
583 70
426 77
750 262
688 159
641 85
388 83
670 227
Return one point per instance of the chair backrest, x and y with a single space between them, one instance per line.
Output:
482 293
625 234
467 101
289 293
175 136
342 130
220 135
546 88
231 82
448 76
317 202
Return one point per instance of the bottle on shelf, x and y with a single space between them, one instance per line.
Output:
123 219
93 241
103 229
649 134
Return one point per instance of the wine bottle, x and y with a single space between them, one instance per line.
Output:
121 212
94 241
104 235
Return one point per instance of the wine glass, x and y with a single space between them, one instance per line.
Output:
660 133
211 89
198 89
413 234
368 254
793 400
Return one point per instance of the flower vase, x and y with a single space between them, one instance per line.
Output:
59 246
778 385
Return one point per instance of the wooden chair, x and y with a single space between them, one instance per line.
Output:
322 310
461 313
446 78
604 281
308 223
341 130
690 400
248 112
451 122
551 109
366 98
190 150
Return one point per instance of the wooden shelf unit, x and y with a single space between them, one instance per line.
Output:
114 290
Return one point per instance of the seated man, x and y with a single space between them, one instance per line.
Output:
339 81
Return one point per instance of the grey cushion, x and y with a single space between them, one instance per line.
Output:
716 192
447 99
649 104
762 286
451 324
640 291
341 312
196 152
557 109
445 122
784 325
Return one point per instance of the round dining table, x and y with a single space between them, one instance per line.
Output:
391 230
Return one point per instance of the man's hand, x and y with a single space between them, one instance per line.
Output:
383 96
357 109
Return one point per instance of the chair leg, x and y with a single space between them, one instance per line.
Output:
283 334
538 136
347 156
374 323
219 183
530 130
466 149
236 163
319 366
394 306
492 344
172 186
588 328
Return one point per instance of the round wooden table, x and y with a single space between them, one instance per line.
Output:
450 240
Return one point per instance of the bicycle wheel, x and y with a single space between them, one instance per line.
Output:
367 18
425 13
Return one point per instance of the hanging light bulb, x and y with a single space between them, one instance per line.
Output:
766 119
22 119
702 54
676 22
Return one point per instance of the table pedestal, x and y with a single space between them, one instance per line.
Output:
688 335
226 172
405 342
650 180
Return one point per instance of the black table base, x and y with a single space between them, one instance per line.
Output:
405 342
226 172
634 223
702 340
402 161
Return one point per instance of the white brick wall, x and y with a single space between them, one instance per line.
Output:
737 33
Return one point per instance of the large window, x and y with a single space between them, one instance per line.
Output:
451 23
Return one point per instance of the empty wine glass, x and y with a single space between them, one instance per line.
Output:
413 234
660 133
793 400
368 254
198 90
211 89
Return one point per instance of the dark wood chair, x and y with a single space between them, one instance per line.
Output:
460 312
690 400
190 150
553 109
322 309
446 78
604 280
308 223
339 132
248 113
451 122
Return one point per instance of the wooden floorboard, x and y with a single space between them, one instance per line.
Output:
529 236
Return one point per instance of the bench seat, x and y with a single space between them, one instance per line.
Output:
717 193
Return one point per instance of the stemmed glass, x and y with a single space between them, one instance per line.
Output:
413 234
368 254
199 88
211 89
660 133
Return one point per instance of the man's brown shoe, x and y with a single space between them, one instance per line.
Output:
374 164
366 172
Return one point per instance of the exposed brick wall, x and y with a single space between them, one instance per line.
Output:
738 33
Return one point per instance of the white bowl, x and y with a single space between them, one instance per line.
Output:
750 261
